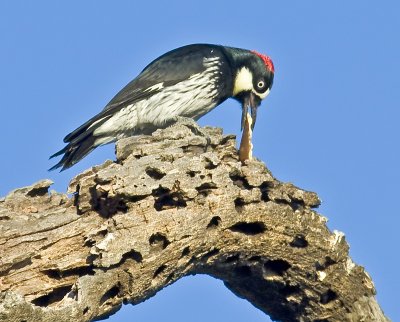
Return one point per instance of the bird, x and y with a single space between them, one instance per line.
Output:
184 83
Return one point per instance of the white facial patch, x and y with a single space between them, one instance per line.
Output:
243 81
263 95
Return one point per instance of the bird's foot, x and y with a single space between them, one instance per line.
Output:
194 128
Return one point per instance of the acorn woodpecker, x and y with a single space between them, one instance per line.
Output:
186 82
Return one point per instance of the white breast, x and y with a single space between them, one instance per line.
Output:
192 98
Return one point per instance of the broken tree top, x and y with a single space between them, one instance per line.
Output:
173 205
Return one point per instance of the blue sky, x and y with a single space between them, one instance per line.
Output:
330 125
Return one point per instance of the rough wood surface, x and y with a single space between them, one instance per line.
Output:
174 206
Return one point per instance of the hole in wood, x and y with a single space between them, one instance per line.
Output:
165 199
159 240
328 296
104 205
159 270
210 166
239 203
132 254
239 181
249 228
186 251
154 173
325 264
299 241
111 293
206 188
214 222
264 187
277 266
54 296
76 271
169 278
38 192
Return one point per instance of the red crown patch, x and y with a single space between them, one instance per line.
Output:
267 61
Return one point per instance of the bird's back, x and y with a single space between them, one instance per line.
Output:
185 82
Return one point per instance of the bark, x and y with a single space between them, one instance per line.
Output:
173 205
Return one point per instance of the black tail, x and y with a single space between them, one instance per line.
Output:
74 152
80 143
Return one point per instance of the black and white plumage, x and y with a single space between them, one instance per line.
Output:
186 82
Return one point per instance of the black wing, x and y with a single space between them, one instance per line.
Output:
169 69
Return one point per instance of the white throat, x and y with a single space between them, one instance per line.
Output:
243 81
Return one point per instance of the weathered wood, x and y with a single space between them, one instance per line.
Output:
173 206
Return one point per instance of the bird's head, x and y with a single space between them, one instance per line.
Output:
253 78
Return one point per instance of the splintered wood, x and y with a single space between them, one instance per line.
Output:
246 147
175 205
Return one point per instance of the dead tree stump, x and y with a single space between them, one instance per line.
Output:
173 206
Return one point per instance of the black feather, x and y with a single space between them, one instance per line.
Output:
169 69
80 143
74 153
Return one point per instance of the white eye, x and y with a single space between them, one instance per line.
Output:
260 84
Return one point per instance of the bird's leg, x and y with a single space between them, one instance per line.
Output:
193 126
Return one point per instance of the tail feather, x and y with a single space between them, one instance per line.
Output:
62 151
81 142
74 152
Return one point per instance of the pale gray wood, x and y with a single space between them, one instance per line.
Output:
173 206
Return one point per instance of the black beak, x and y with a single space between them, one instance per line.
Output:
253 101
